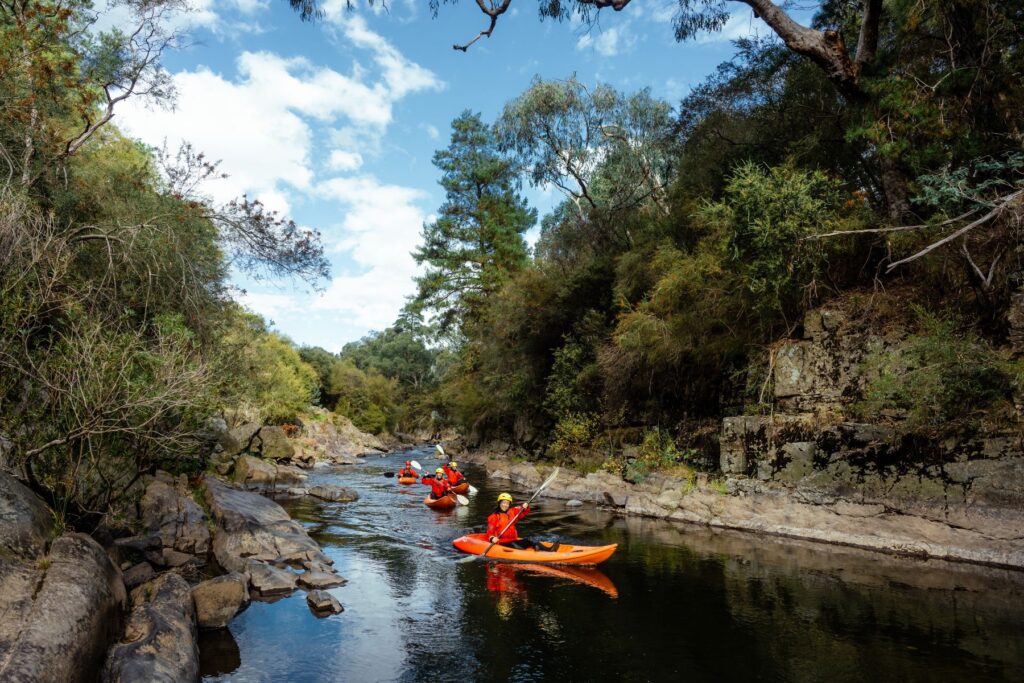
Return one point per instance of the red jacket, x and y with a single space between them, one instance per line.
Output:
438 487
407 472
454 476
498 519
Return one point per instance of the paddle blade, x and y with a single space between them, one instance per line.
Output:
473 490
467 559
389 474
440 450
462 499
416 465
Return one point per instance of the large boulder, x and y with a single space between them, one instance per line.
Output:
255 473
239 438
159 644
250 526
337 494
59 614
218 600
177 519
25 522
273 443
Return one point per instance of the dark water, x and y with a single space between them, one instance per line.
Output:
675 603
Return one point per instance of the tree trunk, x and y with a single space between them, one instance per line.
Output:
895 188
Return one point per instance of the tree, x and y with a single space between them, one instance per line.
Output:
476 242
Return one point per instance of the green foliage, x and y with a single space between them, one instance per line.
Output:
943 378
575 436
367 398
657 451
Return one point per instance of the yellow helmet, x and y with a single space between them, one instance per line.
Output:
454 465
505 496
439 471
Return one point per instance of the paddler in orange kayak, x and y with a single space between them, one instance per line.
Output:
455 477
439 486
408 471
501 524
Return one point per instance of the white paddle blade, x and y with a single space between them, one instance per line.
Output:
440 450
462 499
416 465
473 490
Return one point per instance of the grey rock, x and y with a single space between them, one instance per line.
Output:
177 519
268 580
241 438
255 473
323 602
319 579
138 575
173 558
139 543
218 600
273 444
25 522
59 615
288 475
338 494
250 526
573 503
159 643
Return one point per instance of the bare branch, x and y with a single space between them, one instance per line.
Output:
493 12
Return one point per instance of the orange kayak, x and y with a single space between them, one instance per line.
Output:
462 488
445 503
407 480
476 544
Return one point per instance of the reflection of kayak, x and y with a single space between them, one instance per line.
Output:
407 480
462 488
589 576
444 503
476 544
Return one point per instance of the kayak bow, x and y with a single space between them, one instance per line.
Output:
446 502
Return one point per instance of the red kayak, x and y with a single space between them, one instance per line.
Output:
477 544
446 502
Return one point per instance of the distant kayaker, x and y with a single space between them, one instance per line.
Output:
455 477
408 471
439 486
501 524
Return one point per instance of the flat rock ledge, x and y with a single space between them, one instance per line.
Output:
966 534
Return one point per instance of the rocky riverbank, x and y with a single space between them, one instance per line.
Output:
127 605
968 534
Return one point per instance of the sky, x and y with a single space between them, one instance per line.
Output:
334 123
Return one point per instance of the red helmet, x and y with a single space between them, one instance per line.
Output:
408 463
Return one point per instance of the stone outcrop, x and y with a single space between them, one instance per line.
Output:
26 524
60 611
337 494
250 526
323 603
272 443
268 580
159 643
218 600
176 518
264 475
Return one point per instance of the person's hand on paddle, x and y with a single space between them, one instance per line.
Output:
493 539
526 505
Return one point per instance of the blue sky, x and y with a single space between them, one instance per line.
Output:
335 122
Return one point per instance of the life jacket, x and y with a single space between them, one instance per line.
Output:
497 520
407 472
454 476
438 488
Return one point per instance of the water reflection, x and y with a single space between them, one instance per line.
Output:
218 653
675 602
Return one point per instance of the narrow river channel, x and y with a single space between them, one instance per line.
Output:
675 603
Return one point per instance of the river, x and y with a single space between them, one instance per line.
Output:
676 602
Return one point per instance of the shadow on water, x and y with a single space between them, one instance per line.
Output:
675 602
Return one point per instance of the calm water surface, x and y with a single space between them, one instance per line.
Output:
675 603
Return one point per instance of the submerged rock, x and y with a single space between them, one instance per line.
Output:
337 494
320 579
323 603
159 644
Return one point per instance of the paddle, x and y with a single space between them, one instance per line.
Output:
462 499
547 482
472 489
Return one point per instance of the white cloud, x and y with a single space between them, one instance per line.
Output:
608 42
381 227
741 24
432 132
267 304
342 160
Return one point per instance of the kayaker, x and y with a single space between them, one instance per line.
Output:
455 477
408 471
439 486
506 516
